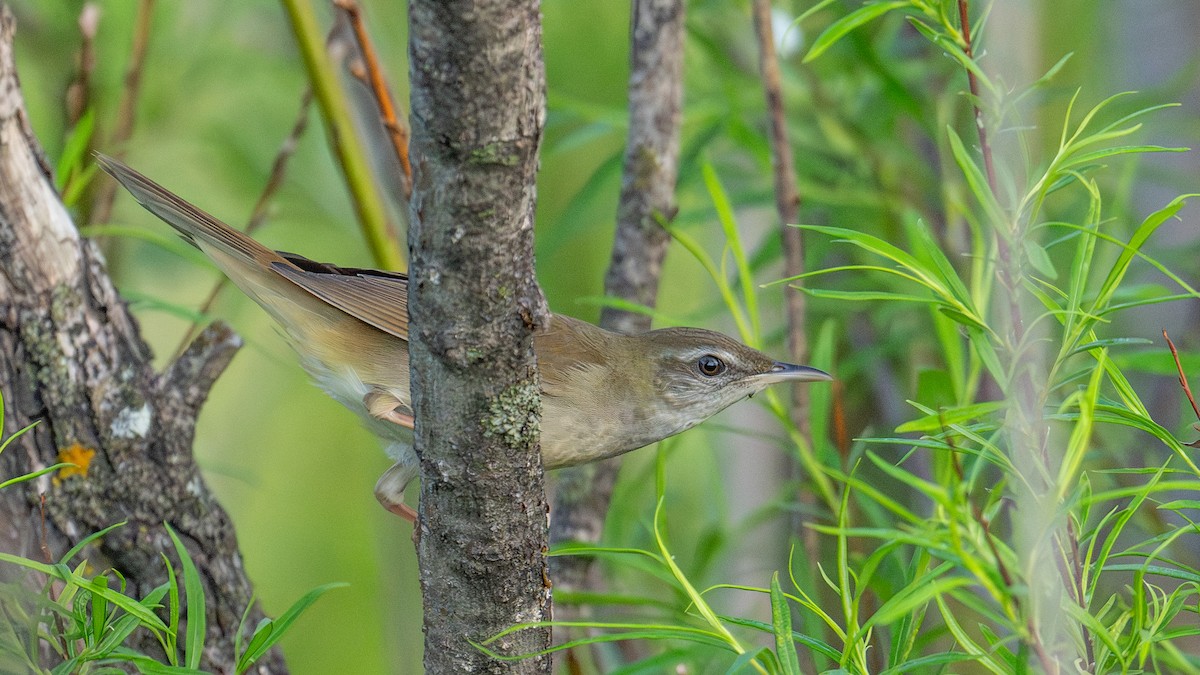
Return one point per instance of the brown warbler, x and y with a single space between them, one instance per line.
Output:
603 393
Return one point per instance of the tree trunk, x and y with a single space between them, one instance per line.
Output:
72 359
477 113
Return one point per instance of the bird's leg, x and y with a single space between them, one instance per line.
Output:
389 491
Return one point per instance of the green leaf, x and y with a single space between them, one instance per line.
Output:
741 662
808 641
1156 570
838 29
733 240
1110 342
35 474
1179 504
99 610
16 434
1139 238
75 148
1039 259
978 184
74 551
944 419
781 619
62 573
268 632
193 586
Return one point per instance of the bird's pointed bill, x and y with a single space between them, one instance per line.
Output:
787 372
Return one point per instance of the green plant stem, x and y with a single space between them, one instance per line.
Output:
1029 399
364 193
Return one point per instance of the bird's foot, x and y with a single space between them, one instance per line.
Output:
389 490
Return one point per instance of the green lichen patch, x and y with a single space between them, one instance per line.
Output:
513 416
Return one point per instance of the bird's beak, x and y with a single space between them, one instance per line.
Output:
787 372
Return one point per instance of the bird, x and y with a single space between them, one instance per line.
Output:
603 393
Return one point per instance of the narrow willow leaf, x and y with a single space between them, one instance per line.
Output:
733 240
840 28
36 474
193 588
1139 238
1110 342
273 631
75 148
1081 435
950 416
74 551
978 183
1039 259
781 620
1179 504
865 296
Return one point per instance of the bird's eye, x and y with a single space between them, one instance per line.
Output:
710 365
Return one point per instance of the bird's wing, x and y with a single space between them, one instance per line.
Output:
566 348
372 296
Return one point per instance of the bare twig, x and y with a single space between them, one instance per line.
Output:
973 83
127 109
397 130
258 215
79 91
787 203
1182 378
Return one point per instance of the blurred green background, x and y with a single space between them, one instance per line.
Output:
220 93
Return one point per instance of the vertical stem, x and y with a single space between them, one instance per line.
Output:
1028 433
973 84
364 194
787 205
127 108
397 131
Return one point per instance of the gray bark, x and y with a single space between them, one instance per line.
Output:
478 91
650 171
71 357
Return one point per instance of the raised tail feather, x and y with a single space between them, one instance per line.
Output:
194 225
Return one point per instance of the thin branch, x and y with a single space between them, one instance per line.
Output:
1182 378
973 83
79 91
397 130
651 165
364 192
787 205
127 109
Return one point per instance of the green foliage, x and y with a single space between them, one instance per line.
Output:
1032 520
86 624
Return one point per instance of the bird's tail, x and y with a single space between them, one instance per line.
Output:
194 225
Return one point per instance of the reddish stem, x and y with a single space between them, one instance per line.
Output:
1182 378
